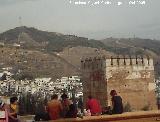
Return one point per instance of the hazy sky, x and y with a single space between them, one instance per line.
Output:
98 21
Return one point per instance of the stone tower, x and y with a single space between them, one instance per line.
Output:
131 77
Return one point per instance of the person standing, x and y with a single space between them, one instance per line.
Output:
94 106
54 107
116 103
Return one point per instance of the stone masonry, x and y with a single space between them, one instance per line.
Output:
131 77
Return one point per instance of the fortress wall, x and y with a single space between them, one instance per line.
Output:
93 76
131 77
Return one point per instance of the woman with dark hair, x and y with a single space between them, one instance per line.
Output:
116 103
13 110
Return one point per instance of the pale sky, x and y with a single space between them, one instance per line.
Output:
98 21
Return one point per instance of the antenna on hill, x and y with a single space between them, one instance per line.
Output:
21 30
20 21
134 36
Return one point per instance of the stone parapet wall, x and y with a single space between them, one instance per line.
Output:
126 117
97 62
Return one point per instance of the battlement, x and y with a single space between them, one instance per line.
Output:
99 62
133 74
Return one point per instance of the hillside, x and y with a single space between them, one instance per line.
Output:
31 64
75 54
30 38
132 45
135 46
45 54
37 55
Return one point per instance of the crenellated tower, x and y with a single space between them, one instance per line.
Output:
131 76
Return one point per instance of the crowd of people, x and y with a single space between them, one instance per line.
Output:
56 109
64 108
